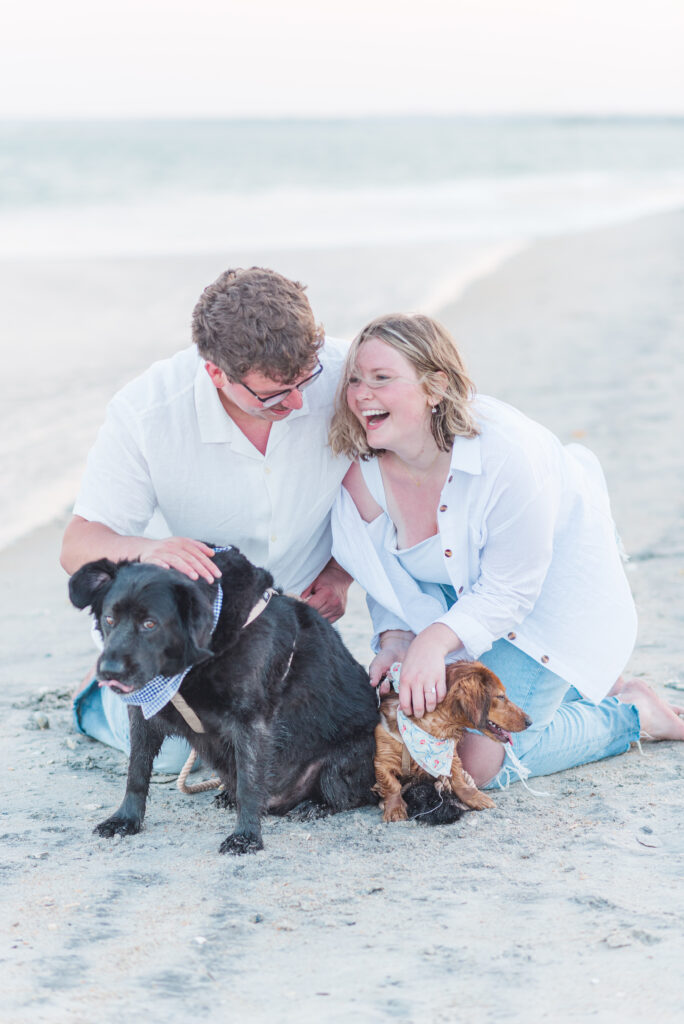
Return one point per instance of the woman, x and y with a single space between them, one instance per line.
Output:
477 535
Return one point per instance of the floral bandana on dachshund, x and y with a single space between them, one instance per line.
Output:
432 754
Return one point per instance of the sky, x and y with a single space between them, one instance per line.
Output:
226 58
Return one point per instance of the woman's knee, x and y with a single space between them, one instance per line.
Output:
481 757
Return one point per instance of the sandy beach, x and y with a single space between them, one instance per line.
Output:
564 904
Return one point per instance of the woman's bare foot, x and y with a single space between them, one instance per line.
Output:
659 721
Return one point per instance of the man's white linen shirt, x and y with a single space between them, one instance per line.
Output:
529 544
167 445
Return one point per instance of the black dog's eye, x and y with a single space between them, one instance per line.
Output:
149 624
109 620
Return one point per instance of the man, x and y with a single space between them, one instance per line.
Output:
226 442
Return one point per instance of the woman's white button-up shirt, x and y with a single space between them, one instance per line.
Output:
529 545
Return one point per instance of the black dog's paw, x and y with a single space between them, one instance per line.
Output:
224 800
426 806
308 810
238 843
117 827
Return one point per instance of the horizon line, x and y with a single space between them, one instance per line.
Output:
578 115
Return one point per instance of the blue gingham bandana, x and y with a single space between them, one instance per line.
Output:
432 754
159 691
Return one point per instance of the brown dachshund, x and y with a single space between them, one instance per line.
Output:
475 699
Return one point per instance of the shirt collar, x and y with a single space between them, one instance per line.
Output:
215 425
466 455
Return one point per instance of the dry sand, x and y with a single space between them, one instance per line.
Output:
559 907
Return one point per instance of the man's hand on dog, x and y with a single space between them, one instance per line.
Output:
191 557
328 592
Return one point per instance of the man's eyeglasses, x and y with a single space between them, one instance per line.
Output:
268 400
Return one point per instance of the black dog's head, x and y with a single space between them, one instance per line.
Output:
153 621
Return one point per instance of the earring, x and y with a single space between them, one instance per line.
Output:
435 409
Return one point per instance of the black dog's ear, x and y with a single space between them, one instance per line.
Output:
196 610
91 582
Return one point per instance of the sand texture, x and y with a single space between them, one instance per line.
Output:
562 906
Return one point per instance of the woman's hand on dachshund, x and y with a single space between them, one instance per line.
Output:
379 667
422 684
394 644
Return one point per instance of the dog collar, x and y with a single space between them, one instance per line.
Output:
259 606
430 753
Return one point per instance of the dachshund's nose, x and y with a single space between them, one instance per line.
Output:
528 721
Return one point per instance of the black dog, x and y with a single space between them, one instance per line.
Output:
288 715
428 807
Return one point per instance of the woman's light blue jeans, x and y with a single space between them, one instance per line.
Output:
99 713
567 730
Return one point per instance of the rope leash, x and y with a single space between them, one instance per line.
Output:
194 787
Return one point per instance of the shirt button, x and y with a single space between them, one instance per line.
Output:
512 636
460 590
450 479
544 659
267 470
273 537
442 508
448 553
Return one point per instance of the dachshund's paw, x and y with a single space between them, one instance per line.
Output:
238 843
394 810
476 800
115 826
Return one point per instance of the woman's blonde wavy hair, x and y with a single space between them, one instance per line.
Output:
432 352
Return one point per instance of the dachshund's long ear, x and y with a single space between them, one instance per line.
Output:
90 583
196 611
468 686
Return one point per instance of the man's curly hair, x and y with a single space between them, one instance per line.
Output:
258 320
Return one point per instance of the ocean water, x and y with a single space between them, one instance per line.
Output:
174 187
108 231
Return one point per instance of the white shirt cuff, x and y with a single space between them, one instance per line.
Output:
472 634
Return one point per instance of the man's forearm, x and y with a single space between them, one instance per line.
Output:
85 541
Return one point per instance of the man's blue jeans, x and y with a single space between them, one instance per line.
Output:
99 713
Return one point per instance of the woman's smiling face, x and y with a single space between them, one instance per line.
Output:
387 396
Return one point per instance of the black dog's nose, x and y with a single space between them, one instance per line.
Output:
110 668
